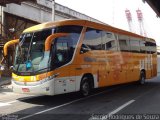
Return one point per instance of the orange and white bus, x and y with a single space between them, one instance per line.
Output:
78 55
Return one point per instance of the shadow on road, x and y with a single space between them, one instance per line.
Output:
59 99
109 99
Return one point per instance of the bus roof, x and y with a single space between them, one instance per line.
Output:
81 23
53 24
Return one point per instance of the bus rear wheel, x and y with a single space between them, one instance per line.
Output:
142 78
85 87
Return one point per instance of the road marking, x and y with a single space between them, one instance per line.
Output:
106 117
74 101
118 109
11 102
14 101
4 104
8 103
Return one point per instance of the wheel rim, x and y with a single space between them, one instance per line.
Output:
85 88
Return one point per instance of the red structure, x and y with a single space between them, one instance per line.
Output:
141 23
129 19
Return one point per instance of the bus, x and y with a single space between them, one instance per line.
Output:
79 55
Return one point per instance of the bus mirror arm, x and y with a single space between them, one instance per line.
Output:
11 42
50 38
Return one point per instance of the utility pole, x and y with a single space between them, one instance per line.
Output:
53 10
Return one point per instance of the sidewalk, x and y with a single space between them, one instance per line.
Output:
5 80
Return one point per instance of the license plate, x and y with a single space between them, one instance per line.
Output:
25 90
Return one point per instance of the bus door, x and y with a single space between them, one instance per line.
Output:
71 82
66 81
61 82
63 53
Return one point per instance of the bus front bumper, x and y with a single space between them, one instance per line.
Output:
34 88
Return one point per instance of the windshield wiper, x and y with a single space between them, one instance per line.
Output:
42 69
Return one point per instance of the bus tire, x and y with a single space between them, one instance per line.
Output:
142 78
85 87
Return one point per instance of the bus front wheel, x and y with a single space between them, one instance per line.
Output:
85 87
142 78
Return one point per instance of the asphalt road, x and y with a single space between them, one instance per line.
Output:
129 101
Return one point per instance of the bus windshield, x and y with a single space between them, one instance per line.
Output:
31 57
30 52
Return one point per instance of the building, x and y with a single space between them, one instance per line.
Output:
17 15
155 5
14 18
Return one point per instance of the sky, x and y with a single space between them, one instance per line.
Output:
112 12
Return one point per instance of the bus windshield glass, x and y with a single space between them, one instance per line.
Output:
30 52
31 57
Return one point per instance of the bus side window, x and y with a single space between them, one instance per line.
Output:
62 51
108 41
135 44
154 48
150 47
92 40
142 46
124 44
